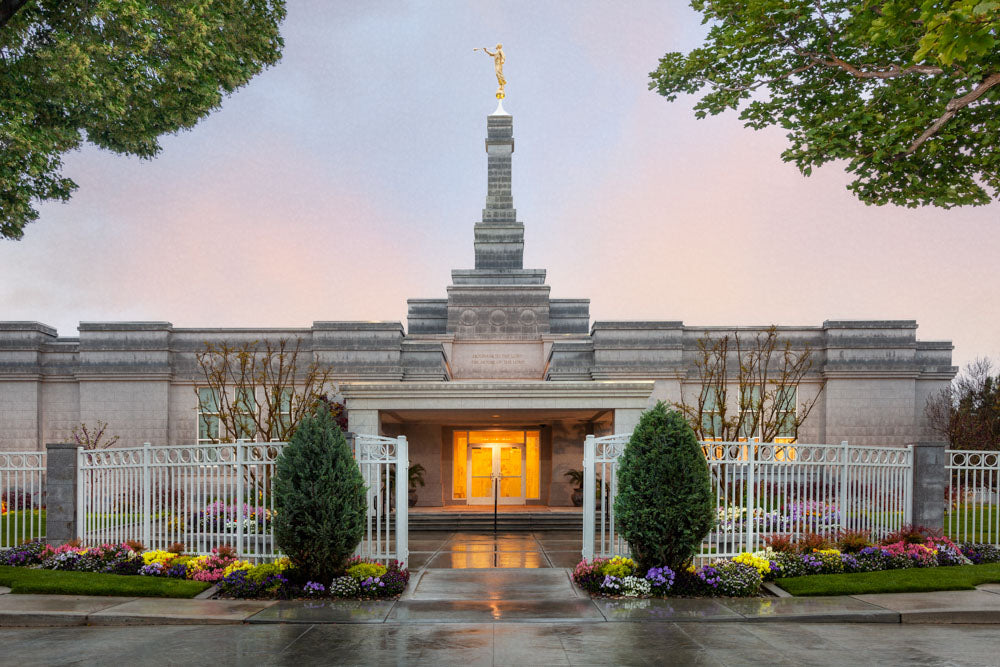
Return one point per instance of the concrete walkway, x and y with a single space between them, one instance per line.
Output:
469 645
505 596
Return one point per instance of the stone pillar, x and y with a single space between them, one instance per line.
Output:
626 419
929 483
60 493
363 421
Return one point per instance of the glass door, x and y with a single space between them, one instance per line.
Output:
480 474
491 463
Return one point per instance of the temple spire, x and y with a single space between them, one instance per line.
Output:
499 236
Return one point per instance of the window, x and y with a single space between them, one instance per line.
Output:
749 404
711 416
244 407
284 413
208 415
786 400
784 412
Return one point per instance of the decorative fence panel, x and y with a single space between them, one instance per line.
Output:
208 495
764 489
385 467
972 503
22 494
202 496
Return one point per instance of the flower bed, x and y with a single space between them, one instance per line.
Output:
620 577
743 575
236 578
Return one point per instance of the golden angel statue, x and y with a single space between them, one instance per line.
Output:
498 61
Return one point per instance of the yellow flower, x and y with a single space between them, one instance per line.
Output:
163 557
761 564
236 565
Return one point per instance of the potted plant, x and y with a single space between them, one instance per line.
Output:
415 475
576 478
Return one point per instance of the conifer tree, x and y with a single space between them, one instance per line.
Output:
664 506
319 497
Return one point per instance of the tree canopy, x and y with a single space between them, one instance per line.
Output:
907 92
117 73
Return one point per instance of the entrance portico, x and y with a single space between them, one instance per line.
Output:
530 433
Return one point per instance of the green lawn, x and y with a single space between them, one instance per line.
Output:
960 522
54 582
911 580
31 522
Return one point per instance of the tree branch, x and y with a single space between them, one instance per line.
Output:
884 72
952 108
8 8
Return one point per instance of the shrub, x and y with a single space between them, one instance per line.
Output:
810 542
319 498
911 534
853 541
664 507
618 567
780 543
362 571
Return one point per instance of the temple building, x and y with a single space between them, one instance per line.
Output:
494 378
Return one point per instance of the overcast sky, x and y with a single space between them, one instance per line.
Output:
348 178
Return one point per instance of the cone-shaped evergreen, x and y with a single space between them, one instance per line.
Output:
319 496
664 506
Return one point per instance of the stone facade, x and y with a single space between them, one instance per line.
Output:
496 352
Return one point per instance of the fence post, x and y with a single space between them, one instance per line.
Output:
240 493
60 493
751 482
81 493
844 500
147 493
402 499
589 495
929 480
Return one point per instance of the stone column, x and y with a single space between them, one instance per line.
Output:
626 419
60 493
363 421
929 483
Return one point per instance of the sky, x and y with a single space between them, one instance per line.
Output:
347 179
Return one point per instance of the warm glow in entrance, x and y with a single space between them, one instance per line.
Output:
482 458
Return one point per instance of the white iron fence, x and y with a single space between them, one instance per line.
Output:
22 509
202 496
385 467
208 495
764 489
972 503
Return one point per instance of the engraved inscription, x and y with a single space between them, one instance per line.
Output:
494 360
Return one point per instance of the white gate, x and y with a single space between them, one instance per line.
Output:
764 489
208 495
385 467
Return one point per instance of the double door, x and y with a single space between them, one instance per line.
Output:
496 469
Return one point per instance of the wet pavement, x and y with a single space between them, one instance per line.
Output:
461 550
500 644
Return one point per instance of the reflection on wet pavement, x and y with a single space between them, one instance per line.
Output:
461 550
